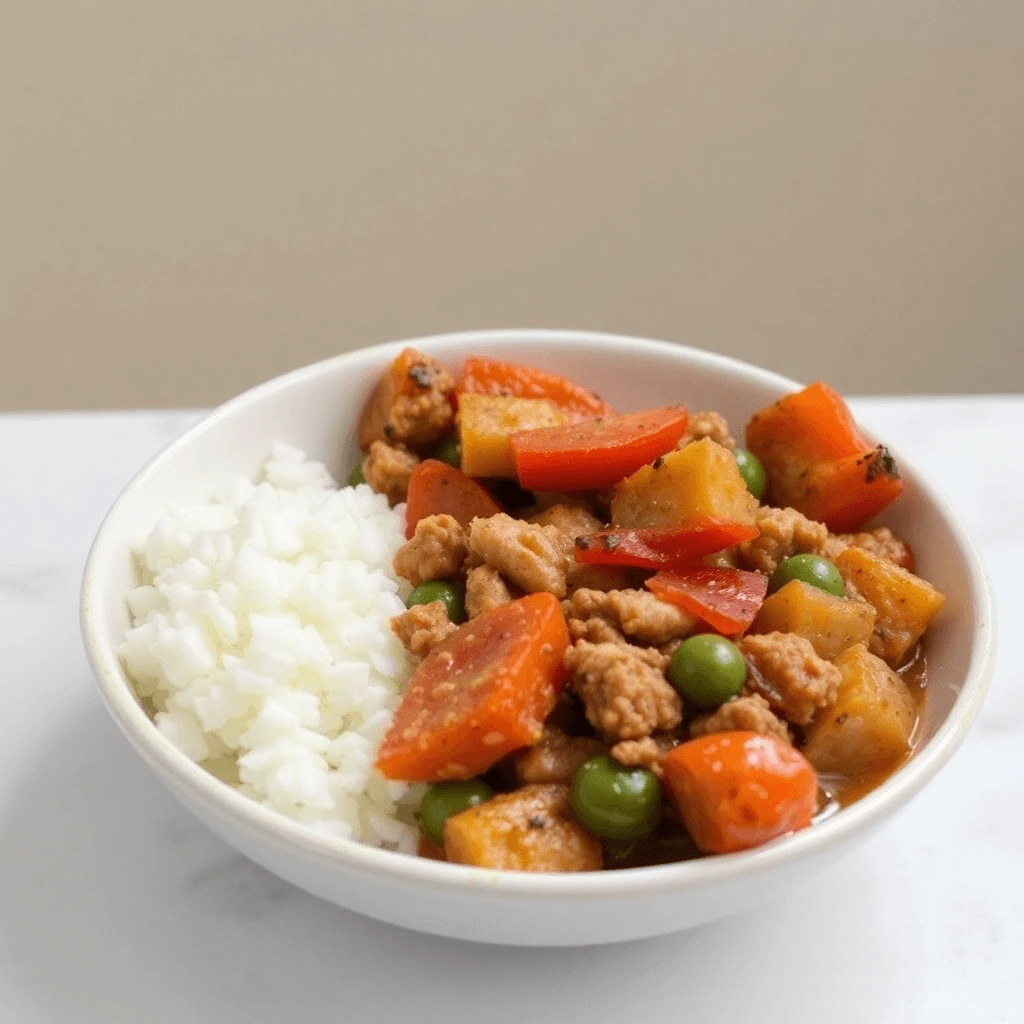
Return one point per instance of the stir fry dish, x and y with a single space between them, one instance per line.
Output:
635 642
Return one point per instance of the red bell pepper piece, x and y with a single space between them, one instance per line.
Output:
596 453
435 488
663 546
819 462
726 599
481 376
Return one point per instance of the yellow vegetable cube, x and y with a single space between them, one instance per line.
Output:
868 726
832 624
531 829
702 477
486 422
905 603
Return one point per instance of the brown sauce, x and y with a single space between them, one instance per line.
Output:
670 843
840 791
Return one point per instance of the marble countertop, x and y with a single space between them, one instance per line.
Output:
117 906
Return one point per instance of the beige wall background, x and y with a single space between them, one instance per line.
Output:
197 195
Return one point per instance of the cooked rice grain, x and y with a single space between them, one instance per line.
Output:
260 641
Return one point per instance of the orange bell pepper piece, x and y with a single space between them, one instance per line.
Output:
819 462
436 487
482 693
738 790
596 453
845 493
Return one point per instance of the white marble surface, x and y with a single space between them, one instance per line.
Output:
115 906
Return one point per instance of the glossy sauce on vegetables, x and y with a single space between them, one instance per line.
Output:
841 791
670 843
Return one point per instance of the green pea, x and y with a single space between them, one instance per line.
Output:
752 472
811 569
443 799
615 802
448 451
356 477
707 670
452 595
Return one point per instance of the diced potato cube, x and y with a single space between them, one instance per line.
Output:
905 603
531 829
868 726
486 422
702 477
830 623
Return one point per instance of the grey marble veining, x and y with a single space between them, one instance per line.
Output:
116 905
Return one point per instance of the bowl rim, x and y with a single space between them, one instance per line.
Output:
219 798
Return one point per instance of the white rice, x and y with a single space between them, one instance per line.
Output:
260 640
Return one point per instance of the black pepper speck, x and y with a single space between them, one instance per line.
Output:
420 374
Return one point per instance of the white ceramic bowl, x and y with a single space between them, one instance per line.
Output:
315 408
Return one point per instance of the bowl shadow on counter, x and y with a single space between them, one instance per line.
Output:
116 905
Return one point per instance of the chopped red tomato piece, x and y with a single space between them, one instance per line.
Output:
480 694
436 487
663 546
597 453
726 599
490 377
738 790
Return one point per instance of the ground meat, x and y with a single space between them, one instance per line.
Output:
571 520
596 630
422 627
623 689
646 753
667 650
784 669
556 757
784 532
881 542
750 713
417 414
473 560
637 614
531 557
387 470
485 590
436 551
707 424
598 577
